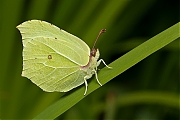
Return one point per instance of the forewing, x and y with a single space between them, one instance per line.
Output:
36 28
48 68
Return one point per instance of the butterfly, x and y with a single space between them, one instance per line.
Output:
56 60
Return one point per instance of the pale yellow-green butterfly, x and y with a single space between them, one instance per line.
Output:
56 60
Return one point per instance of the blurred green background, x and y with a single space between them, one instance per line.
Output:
148 90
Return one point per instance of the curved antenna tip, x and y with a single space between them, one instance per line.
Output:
102 31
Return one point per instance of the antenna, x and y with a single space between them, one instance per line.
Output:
102 31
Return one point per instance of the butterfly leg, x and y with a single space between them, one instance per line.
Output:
97 77
101 60
89 76
86 85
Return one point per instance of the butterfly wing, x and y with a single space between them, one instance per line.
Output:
46 64
36 28
52 57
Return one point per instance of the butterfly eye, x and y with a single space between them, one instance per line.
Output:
93 52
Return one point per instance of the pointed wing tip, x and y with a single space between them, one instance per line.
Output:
18 26
28 21
22 75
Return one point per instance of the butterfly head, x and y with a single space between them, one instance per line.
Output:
95 53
